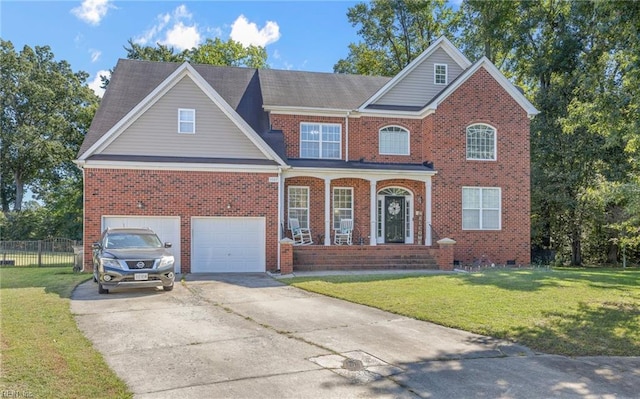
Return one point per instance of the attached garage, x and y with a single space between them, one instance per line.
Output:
167 228
227 244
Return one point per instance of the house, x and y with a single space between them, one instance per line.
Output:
218 159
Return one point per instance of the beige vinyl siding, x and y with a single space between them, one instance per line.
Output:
156 131
417 88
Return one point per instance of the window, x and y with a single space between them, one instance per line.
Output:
342 205
440 74
481 143
481 208
394 140
318 140
186 121
299 205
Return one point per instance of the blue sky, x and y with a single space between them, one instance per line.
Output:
91 34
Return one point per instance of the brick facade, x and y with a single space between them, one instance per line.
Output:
180 193
440 138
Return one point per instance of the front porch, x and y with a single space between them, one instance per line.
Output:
363 257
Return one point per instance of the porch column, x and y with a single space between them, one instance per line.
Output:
373 213
327 211
427 212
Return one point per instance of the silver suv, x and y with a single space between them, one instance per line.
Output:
128 257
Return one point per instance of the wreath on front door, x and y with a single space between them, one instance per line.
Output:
394 208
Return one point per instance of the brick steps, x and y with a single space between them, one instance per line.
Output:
382 257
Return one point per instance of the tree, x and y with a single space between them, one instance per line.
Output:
394 33
46 110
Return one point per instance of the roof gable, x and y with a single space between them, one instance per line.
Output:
413 86
99 142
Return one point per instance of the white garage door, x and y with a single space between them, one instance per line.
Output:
167 228
227 244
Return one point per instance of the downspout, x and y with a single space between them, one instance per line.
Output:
346 126
280 212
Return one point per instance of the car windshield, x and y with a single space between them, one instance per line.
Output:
130 240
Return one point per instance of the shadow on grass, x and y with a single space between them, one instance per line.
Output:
57 280
611 328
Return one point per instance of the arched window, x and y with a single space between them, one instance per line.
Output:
394 140
481 142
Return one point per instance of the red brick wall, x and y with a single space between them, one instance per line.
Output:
482 100
443 141
180 193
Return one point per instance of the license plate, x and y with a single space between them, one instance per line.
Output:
141 276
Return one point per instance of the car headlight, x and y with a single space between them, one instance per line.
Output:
110 262
166 261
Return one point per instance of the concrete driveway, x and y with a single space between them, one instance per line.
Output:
249 336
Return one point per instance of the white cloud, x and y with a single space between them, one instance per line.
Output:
248 33
97 82
95 55
173 29
92 11
182 37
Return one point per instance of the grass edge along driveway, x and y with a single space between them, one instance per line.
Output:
572 312
44 354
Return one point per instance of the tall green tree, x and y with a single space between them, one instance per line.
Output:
394 33
46 110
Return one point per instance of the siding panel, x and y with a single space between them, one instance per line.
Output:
417 88
156 131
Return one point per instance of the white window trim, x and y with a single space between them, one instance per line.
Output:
435 74
495 143
193 111
320 139
391 153
481 209
303 223
333 203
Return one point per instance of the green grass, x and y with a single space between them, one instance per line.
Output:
44 355
574 312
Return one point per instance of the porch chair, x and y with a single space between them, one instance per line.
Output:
301 235
343 235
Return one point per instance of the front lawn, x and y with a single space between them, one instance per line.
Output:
574 312
44 355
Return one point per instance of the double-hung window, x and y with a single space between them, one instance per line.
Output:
298 205
481 208
186 120
320 140
440 74
393 140
481 142
342 205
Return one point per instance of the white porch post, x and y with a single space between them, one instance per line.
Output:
373 231
427 211
327 211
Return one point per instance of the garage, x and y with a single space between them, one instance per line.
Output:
166 227
227 244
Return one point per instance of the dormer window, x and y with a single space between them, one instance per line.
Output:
186 121
440 74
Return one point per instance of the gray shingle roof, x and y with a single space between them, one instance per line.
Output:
246 90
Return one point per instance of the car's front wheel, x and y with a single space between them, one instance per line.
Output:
167 287
101 289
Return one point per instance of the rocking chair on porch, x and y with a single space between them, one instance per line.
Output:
343 235
301 235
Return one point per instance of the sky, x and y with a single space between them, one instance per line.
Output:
91 34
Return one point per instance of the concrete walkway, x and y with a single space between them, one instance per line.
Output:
249 336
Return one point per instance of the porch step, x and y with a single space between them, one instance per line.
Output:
356 257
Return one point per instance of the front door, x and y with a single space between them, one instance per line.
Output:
394 219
